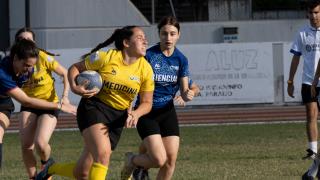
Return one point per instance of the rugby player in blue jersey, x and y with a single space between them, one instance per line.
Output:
159 129
15 70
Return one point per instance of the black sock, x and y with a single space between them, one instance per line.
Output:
0 155
43 162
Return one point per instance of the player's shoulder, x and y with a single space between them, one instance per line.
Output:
43 56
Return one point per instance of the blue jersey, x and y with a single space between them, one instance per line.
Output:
8 79
167 72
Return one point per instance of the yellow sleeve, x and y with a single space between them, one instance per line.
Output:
148 82
97 60
48 61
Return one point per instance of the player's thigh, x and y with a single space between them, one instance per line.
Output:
171 144
46 124
154 146
4 120
27 127
96 138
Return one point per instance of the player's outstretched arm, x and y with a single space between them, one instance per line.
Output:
27 101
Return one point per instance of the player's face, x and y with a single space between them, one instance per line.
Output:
22 66
26 35
314 16
169 35
138 42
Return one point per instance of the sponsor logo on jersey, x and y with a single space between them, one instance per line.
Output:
120 87
134 78
174 67
113 72
165 78
157 66
94 56
49 58
312 47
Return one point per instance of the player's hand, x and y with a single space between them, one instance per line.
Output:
82 91
65 100
69 108
189 94
290 90
132 120
179 101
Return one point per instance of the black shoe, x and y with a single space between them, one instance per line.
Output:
305 176
140 174
310 154
43 174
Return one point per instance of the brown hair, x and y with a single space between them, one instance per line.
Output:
117 37
168 20
24 49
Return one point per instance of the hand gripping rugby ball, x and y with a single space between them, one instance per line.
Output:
94 78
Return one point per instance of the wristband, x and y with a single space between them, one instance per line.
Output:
59 106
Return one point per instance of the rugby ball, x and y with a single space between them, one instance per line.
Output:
94 78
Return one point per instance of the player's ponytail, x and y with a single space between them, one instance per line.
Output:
117 37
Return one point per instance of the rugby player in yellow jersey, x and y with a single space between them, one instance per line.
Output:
101 117
37 125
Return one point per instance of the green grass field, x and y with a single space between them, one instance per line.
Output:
269 151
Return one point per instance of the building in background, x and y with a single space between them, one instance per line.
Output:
67 24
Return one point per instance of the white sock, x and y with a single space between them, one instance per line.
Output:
313 146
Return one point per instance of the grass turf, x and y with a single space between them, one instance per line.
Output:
268 151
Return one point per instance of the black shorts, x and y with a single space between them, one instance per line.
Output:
92 111
306 94
40 112
6 106
161 121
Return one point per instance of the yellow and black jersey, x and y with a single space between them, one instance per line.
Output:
41 83
121 82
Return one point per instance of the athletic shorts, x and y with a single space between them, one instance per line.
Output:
306 94
6 106
161 121
40 112
92 111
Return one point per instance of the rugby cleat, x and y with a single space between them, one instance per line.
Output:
310 154
305 176
140 174
43 174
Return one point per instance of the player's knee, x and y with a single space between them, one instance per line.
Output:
40 145
80 174
160 160
103 158
26 147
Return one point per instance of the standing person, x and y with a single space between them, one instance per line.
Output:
159 129
14 71
307 45
101 117
37 125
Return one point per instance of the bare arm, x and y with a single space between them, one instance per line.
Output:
293 69
61 71
27 101
186 93
79 89
143 108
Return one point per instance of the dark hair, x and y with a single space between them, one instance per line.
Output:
117 37
24 49
168 20
26 29
311 4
